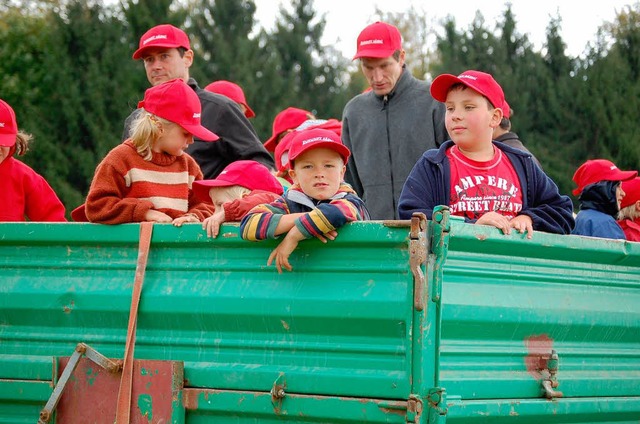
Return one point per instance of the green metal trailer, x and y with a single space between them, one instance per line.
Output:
393 322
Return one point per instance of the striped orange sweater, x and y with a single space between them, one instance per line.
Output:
125 187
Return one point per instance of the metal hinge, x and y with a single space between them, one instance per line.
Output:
90 353
437 404
550 383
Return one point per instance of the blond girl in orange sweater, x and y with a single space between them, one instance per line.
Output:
149 177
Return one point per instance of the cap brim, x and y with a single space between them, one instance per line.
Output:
7 140
138 53
627 175
374 53
201 188
270 144
341 149
201 132
249 113
440 86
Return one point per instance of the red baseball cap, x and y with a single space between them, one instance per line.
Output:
481 82
281 154
506 110
175 101
164 35
631 190
246 173
287 119
8 125
593 171
314 138
378 40
232 91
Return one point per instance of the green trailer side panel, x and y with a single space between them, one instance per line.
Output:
508 301
245 407
339 325
21 401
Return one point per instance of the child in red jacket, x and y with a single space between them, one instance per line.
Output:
24 194
149 177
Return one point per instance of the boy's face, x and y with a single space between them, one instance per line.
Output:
163 64
173 141
469 118
318 172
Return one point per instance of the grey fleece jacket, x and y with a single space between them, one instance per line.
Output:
387 135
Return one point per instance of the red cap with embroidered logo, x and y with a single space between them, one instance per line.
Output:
164 35
631 190
315 138
246 173
378 40
8 125
288 119
175 101
593 171
232 91
481 82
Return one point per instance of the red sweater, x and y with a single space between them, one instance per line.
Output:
235 210
26 194
631 229
125 187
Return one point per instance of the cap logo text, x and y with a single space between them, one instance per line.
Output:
471 77
313 140
155 37
196 115
374 41
1 124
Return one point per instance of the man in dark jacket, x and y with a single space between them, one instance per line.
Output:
166 53
390 126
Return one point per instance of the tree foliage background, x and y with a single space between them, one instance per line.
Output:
67 71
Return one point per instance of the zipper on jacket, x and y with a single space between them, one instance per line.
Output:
385 107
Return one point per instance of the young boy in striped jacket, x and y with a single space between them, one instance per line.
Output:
316 204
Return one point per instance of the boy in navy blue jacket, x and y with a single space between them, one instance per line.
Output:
485 182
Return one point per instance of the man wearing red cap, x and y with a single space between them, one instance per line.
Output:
601 194
629 216
390 126
166 53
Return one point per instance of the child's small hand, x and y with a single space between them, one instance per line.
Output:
156 216
331 235
185 218
495 220
212 223
285 248
522 223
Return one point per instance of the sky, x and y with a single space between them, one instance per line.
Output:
346 18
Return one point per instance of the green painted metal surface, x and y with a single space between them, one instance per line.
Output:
339 325
348 336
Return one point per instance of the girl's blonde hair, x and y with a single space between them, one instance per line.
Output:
234 191
22 142
629 212
146 129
